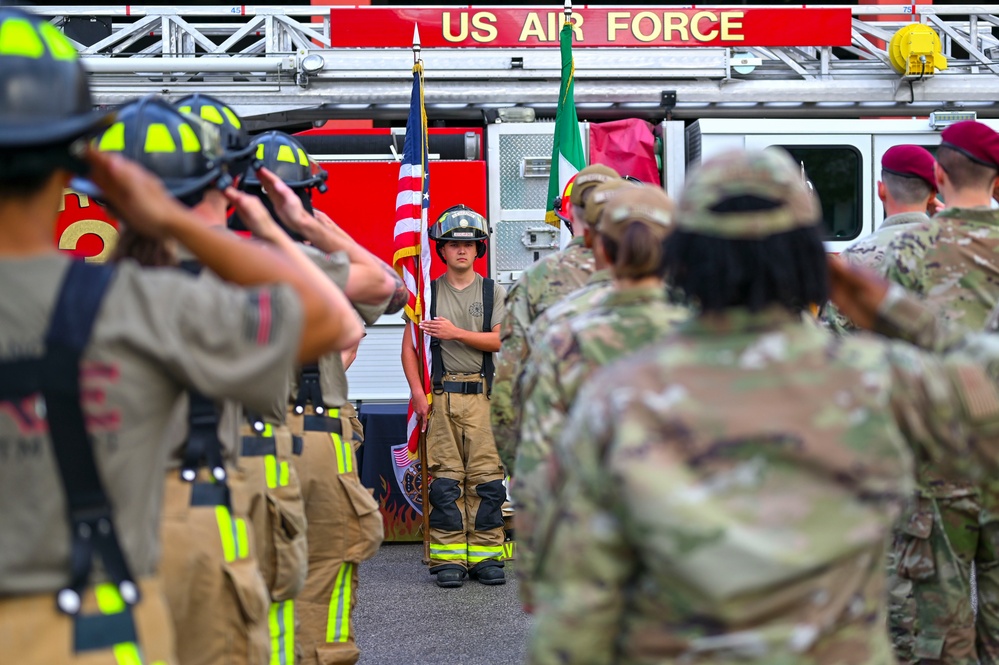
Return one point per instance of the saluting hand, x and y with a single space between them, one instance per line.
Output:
857 292
287 205
253 213
440 328
136 196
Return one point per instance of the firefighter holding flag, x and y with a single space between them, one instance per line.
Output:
447 359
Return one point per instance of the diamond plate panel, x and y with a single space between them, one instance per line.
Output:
517 192
508 244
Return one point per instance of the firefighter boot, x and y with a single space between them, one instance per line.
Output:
489 573
451 578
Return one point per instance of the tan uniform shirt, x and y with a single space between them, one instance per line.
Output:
157 333
463 308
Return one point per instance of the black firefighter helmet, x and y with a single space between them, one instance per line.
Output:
183 150
460 222
235 138
45 101
285 157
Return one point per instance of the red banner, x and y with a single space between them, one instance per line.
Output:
500 27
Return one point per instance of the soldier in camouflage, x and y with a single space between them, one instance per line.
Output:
907 189
729 491
541 285
951 263
634 313
597 285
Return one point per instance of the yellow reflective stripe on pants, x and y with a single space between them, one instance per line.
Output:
458 552
338 623
344 455
282 628
235 540
109 601
480 554
270 471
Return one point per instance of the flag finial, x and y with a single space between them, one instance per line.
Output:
416 42
568 10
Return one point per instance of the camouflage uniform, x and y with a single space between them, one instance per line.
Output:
950 262
870 253
623 321
720 506
541 286
729 491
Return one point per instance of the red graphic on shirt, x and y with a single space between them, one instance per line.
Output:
28 414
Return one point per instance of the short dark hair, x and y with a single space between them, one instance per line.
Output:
24 172
906 190
639 254
964 172
786 269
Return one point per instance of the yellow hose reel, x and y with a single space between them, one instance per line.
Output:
915 51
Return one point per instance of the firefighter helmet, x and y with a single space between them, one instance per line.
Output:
44 95
235 139
184 151
285 157
460 223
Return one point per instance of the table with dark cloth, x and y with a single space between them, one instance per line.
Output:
388 469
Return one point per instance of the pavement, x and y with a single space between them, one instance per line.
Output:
403 618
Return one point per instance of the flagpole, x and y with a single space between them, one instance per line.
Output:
421 351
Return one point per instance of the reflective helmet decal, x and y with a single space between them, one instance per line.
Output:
59 47
113 139
18 37
212 114
303 158
285 154
188 139
158 139
232 117
260 151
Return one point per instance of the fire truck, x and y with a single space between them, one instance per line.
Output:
836 86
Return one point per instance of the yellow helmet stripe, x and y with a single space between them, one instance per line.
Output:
59 46
285 154
113 139
260 151
233 118
303 159
158 139
18 37
188 138
211 114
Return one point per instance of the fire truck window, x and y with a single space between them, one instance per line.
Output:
834 173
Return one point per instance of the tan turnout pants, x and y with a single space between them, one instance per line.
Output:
344 528
267 490
34 632
217 597
466 482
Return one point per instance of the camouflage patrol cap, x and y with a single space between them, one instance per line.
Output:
742 195
643 204
587 179
602 193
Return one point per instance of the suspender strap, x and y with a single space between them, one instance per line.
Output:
309 390
487 325
436 358
90 516
203 445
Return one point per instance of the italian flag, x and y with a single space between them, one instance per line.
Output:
567 148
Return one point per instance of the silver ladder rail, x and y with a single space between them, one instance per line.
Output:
254 57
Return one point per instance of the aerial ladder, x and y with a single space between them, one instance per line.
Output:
280 65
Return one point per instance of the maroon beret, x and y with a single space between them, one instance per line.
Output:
976 141
910 161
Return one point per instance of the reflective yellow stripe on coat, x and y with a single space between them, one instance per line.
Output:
282 628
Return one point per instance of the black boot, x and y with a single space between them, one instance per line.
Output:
490 575
451 578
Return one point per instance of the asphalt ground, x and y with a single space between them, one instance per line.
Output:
403 618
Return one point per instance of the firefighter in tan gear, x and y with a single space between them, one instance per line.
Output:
108 350
466 487
344 524
264 485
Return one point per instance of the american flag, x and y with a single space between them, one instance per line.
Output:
412 246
